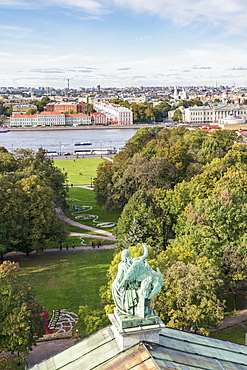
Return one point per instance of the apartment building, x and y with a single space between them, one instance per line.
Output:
115 114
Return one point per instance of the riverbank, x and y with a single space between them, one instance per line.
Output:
90 127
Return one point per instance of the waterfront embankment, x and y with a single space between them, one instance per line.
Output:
90 127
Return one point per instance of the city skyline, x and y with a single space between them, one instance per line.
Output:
121 43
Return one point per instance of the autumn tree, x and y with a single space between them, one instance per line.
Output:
20 321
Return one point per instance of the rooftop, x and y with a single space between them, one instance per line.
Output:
176 350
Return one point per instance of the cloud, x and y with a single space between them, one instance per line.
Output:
14 31
138 77
196 67
47 70
158 75
3 54
124 69
237 69
143 38
227 15
14 28
89 6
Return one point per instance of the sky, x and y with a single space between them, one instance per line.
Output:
123 43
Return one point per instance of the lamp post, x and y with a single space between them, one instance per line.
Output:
91 177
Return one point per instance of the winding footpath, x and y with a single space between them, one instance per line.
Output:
107 235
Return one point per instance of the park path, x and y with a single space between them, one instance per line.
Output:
107 235
235 320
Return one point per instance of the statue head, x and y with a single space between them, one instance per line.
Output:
125 254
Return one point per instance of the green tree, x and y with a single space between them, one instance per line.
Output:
151 212
189 298
91 321
31 111
38 221
20 321
10 214
216 227
177 116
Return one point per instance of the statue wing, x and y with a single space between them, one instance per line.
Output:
133 275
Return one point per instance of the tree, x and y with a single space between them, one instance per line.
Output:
10 214
7 161
177 116
151 212
20 321
38 221
188 300
134 236
216 228
90 320
31 111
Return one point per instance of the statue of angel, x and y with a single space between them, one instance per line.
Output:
135 284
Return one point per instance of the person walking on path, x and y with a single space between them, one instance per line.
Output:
73 245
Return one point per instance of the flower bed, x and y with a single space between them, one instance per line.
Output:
106 224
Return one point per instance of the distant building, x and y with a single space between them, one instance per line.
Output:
98 118
50 119
214 113
116 114
64 107
22 108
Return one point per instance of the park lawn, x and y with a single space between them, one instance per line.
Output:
73 167
67 279
86 197
234 334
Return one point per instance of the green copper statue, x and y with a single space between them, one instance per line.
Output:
135 284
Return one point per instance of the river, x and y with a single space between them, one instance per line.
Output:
62 141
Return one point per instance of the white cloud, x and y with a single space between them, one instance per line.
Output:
89 6
229 15
238 69
14 31
47 70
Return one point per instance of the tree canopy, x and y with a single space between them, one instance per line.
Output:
20 321
184 193
31 187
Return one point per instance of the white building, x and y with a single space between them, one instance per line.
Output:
77 119
116 114
49 119
213 114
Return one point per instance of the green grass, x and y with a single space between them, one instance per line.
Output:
12 363
67 279
86 197
234 334
73 167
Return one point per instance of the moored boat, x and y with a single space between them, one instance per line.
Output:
3 130
82 143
